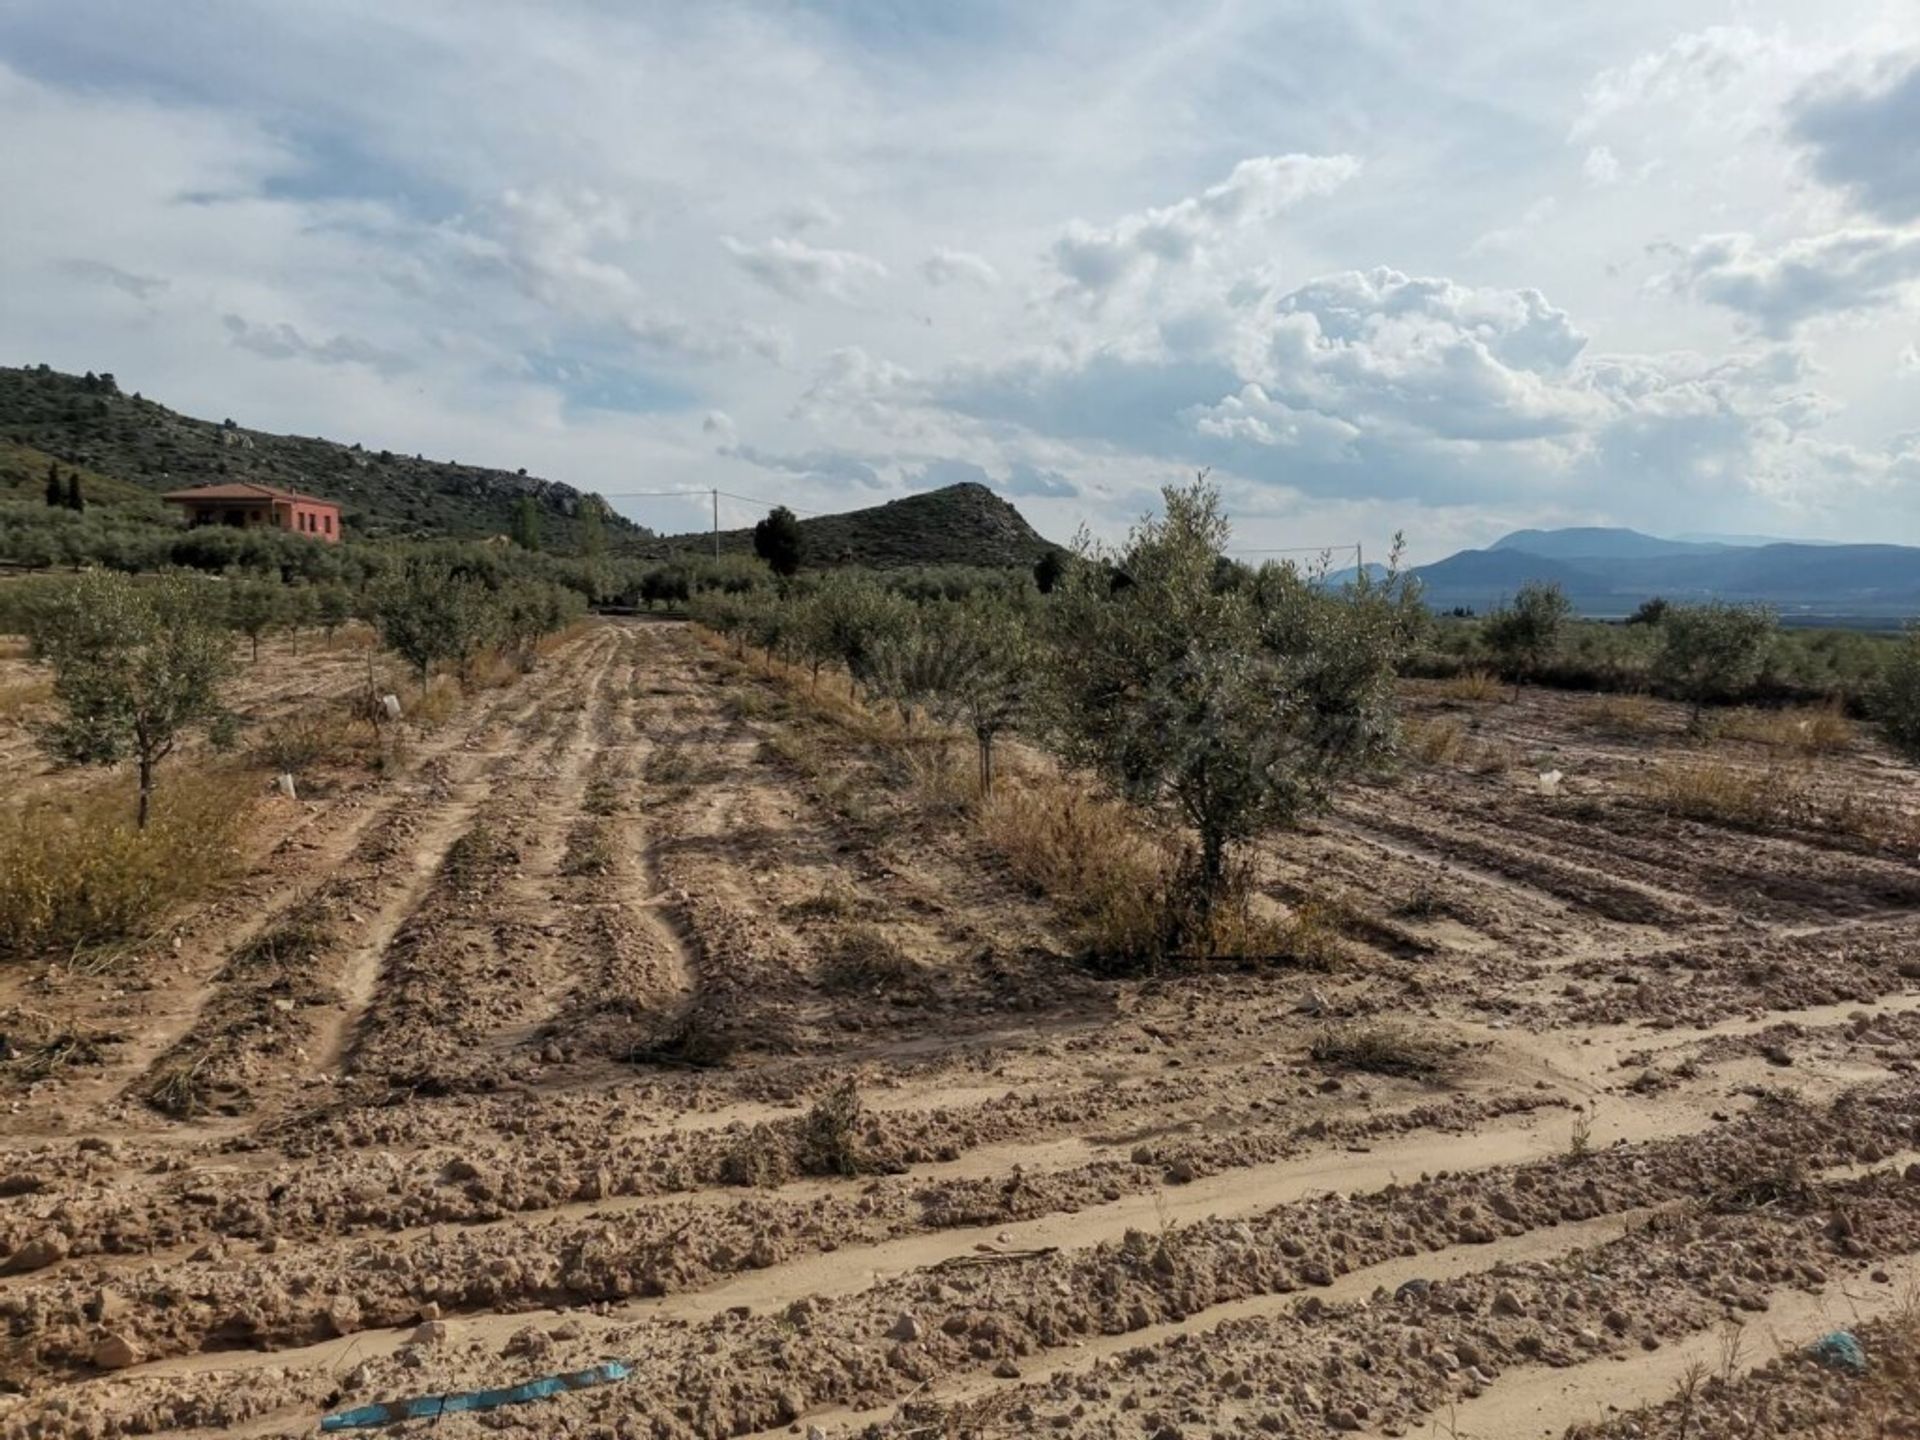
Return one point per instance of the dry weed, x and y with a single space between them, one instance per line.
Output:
1440 741
1472 687
828 1143
76 873
1620 715
862 958
590 850
1382 1048
18 700
1804 730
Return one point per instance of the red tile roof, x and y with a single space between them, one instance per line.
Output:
243 490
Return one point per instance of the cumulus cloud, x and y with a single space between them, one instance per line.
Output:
949 267
1602 166
1705 72
801 271
1779 289
1095 259
935 474
1864 135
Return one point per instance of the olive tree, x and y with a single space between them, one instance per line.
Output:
1712 650
1523 632
136 665
1897 699
1235 702
254 607
426 614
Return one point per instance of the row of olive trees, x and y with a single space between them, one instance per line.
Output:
1228 698
140 663
1702 653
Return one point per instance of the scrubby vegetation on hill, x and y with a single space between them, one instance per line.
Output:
89 422
964 524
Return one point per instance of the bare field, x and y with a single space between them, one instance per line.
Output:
657 1008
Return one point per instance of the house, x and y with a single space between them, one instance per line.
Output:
245 506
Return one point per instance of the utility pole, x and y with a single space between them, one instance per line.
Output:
716 524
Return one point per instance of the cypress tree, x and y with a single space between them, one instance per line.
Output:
75 501
54 494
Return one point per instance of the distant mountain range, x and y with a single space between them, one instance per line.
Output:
1608 572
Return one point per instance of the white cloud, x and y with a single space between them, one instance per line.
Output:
800 271
1776 290
1910 360
1602 166
1095 259
1725 74
949 267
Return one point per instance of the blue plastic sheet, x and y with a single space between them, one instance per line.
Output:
1841 1350
427 1407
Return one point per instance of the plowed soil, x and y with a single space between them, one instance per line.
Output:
649 1012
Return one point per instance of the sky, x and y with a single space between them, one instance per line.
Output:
1383 266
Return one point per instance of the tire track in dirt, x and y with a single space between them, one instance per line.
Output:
448 1008
226 924
228 1030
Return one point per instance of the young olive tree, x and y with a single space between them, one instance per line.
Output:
1897 698
1236 702
427 614
1523 632
987 684
1712 651
136 665
851 621
254 607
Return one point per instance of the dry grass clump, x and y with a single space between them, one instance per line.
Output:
1620 715
300 938
1725 794
1383 1048
1721 793
695 1039
1471 687
828 1144
589 850
1804 730
300 742
862 958
181 1090
18 700
1131 894
76 873
1439 741
474 855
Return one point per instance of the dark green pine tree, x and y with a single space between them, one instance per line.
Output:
55 495
74 500
780 541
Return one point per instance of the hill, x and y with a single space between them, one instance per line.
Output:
1597 542
1812 580
87 421
965 524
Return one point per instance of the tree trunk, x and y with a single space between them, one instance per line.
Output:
256 646
146 791
986 763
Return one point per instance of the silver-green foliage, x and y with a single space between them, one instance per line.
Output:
1235 699
1713 650
1897 701
1523 632
136 665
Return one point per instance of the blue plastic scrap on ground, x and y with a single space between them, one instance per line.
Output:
427 1407
1841 1351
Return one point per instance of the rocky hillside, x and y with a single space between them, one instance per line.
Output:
88 421
958 525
